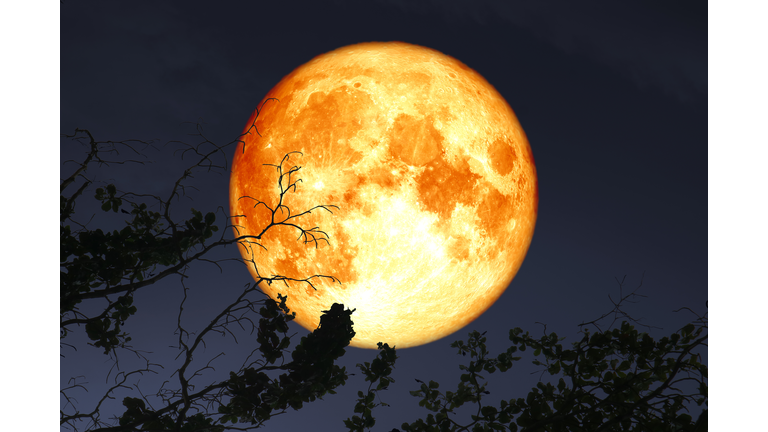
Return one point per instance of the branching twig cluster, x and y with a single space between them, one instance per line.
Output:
113 267
619 311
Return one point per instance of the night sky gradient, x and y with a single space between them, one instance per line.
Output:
612 96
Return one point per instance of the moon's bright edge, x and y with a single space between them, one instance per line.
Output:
434 179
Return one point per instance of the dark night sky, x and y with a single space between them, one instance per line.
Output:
612 96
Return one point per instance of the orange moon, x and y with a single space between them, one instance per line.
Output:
433 176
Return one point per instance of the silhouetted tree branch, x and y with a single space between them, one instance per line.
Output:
114 266
617 379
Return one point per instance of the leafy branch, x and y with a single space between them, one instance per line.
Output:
114 266
617 379
378 373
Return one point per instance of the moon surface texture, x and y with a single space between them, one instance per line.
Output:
434 181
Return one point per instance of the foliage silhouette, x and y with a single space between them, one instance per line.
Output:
615 378
102 271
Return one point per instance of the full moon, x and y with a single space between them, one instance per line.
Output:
433 179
